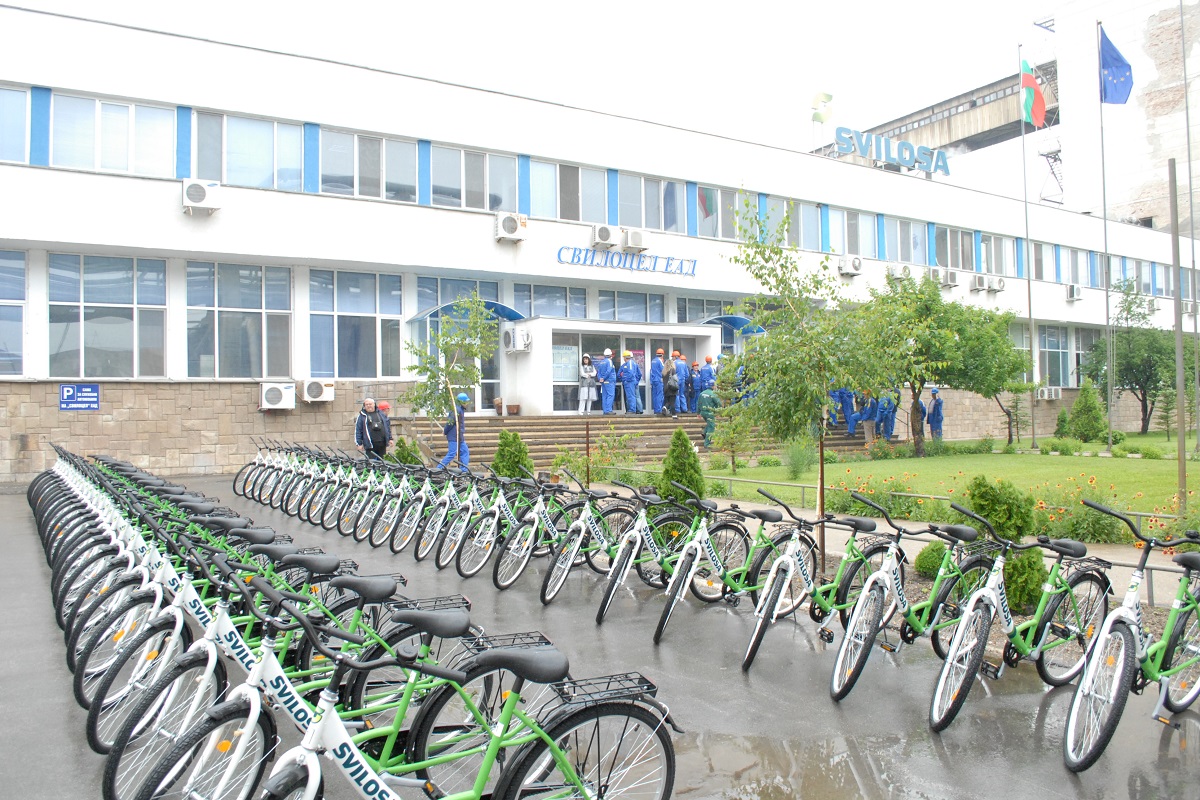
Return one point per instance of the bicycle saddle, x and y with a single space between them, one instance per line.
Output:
373 589
964 533
222 523
274 552
1188 560
448 623
536 664
253 535
766 514
859 523
315 563
1068 547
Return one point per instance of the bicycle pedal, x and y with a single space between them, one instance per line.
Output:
732 599
993 671
1060 630
826 635
950 610
1165 721
889 647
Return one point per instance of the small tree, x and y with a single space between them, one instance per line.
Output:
734 434
1087 422
681 465
511 454
1062 426
1165 413
449 361
405 452
1019 416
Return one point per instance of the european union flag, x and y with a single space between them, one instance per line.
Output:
1116 76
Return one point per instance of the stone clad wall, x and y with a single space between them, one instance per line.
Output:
169 427
969 416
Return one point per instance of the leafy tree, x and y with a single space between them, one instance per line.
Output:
681 465
463 338
735 433
511 454
405 452
1144 357
1087 422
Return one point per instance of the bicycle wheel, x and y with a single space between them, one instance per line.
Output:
410 521
855 578
612 749
429 535
794 593
770 607
199 761
385 524
952 597
331 514
477 545
1184 644
239 480
366 517
861 631
447 548
74 586
280 490
957 676
295 495
620 567
1099 698
264 486
733 546
514 556
562 559
614 520
674 593
348 513
1070 623
318 491
158 719
131 672
291 783
670 532
106 643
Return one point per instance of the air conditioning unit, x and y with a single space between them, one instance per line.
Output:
850 265
1043 393
995 284
201 196
633 241
605 236
950 278
317 390
1151 305
898 272
1055 392
510 227
979 282
1074 292
1189 307
277 396
517 339
935 275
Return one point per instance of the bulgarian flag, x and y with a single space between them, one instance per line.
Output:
1033 104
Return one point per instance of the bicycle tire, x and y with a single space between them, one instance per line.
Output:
795 592
855 579
295 496
732 544
366 516
961 665
348 513
107 598
956 590
405 530
158 720
202 753
431 529
763 622
291 783
383 527
280 489
670 531
105 644
514 556
616 519
1099 698
674 594
265 484
91 592
622 747
478 544
314 502
857 642
1059 664
1183 687
620 566
74 553
331 514
74 586
239 479
447 549
562 560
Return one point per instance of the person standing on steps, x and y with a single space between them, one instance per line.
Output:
606 377
372 430
708 374
670 380
683 375
694 387
630 375
587 385
456 435
656 382
935 414
708 404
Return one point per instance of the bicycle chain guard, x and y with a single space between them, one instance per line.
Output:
907 632
816 613
1011 656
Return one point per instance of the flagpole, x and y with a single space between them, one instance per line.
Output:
1028 262
1187 116
1108 331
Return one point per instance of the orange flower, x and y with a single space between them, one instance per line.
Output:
1052 518
1092 481
1139 494
949 491
920 501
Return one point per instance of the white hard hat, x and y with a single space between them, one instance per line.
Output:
607 352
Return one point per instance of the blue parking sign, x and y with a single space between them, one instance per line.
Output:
79 397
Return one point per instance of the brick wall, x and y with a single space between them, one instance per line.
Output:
169 428
969 416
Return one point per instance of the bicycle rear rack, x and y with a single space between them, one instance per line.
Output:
589 691
979 547
430 603
478 644
1092 563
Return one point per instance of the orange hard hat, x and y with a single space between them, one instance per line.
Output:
659 351
695 363
708 359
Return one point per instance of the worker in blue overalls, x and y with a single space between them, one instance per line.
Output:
630 375
708 375
684 375
456 436
935 415
656 382
606 379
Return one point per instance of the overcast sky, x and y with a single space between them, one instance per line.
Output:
748 70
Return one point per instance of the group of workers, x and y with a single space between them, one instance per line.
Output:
675 388
878 416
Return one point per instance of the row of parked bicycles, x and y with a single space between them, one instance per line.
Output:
682 544
193 635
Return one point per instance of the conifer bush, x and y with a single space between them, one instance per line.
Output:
682 465
511 454
1087 422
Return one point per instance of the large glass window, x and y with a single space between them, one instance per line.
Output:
364 318
543 189
400 170
776 214
735 208
244 151
593 195
12 312
107 316
1042 256
446 175
632 306
804 226
14 104
1054 345
1085 340
694 309
707 211
905 241
860 234
337 162
238 321
955 248
998 254
549 301
1074 265
629 201
118 137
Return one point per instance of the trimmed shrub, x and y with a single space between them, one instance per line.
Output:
1117 437
800 456
718 461
511 454
681 465
1151 452
405 452
1087 421
1062 427
769 461
1066 447
930 559
1010 512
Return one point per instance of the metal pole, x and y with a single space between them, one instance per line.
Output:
587 450
1028 268
821 493
1111 366
1180 391
1187 116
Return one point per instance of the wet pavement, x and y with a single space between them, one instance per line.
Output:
772 733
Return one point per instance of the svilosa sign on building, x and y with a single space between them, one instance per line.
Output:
881 148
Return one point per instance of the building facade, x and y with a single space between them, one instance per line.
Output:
336 212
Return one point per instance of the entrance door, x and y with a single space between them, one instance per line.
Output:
637 346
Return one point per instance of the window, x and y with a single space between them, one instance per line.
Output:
367 166
707 215
1164 280
736 207
432 292
117 137
804 226
905 241
955 248
1055 362
550 301
242 151
12 312
1187 281
14 104
337 162
1140 273
1042 256
107 316
1074 266
998 254
543 189
693 309
1085 340
355 315
860 232
582 194
1019 334
776 216
629 200
632 306
238 320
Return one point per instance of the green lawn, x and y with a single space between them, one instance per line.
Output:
1136 484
